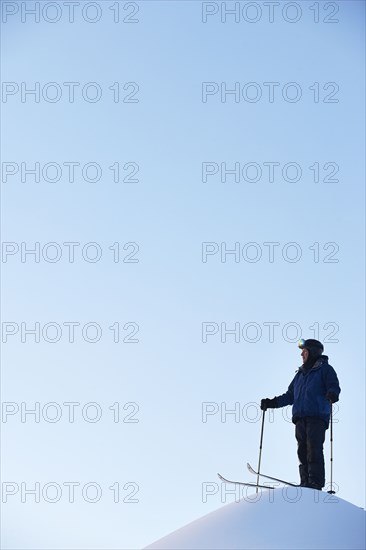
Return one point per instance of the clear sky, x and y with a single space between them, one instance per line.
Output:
139 112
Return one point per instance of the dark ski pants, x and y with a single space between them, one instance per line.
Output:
310 435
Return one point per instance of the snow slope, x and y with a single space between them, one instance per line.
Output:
287 518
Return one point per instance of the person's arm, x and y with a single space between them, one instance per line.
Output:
286 398
332 387
279 401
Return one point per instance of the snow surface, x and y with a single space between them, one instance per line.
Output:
287 518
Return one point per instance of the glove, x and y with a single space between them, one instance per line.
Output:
332 397
268 404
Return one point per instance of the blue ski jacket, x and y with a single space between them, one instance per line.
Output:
308 389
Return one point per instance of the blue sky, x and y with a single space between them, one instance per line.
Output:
170 292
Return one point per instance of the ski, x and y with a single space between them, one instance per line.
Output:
251 470
242 483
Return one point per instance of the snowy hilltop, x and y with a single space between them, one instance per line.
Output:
286 518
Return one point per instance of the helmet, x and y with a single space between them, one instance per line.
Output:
313 346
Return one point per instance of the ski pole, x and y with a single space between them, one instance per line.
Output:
260 451
331 450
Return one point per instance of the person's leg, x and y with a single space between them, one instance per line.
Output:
301 437
316 428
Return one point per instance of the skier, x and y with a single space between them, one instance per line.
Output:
311 393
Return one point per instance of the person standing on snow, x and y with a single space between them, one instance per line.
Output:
311 393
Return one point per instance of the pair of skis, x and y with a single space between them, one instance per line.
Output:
252 471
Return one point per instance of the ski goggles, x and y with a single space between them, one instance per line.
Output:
301 343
